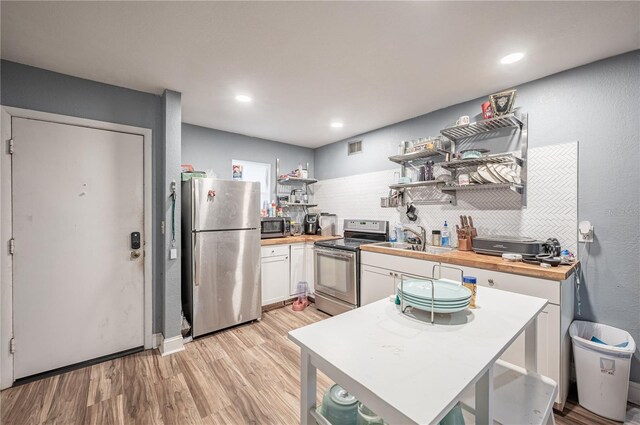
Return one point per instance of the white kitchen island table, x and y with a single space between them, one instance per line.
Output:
410 371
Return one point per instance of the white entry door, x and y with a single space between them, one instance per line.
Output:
78 285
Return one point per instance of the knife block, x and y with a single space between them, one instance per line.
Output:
465 244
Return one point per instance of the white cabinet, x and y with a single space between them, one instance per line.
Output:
375 284
310 266
283 266
275 272
298 272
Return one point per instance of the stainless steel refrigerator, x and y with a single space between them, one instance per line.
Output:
221 245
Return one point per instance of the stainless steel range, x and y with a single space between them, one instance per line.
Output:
337 265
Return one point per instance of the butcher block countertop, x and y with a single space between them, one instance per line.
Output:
487 262
296 239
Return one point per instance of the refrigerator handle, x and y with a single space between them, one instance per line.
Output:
196 258
195 206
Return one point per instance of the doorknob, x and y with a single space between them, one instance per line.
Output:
135 254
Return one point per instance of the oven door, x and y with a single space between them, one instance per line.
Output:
335 273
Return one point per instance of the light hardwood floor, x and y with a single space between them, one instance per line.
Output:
245 375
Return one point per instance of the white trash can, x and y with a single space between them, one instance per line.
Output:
602 368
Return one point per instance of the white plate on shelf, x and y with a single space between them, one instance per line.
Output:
508 173
486 175
476 177
445 290
495 174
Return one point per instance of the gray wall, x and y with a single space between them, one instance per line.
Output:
598 105
38 89
172 299
206 148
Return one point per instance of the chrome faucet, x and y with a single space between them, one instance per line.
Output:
422 236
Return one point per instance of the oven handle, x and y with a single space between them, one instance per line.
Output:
334 254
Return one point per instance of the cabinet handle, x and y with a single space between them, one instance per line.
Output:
491 282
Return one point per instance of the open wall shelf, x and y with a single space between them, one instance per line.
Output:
466 131
438 192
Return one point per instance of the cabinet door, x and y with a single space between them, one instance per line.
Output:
275 279
298 267
375 284
310 266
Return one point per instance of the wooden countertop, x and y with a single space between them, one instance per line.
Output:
487 262
296 239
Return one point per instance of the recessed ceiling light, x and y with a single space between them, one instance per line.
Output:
337 124
243 98
512 58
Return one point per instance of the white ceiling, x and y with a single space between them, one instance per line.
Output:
368 64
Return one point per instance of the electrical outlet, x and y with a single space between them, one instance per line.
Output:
173 254
585 232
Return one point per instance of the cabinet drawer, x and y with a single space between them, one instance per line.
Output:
398 264
274 251
541 288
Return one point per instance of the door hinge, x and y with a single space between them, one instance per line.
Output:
162 227
10 146
12 246
12 345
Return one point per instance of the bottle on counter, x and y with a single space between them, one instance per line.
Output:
393 234
446 239
272 209
400 236
470 282
435 238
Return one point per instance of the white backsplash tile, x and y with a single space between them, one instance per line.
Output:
551 211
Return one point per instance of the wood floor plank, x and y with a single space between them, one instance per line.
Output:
206 390
227 416
69 404
28 404
107 412
140 401
209 348
105 381
176 402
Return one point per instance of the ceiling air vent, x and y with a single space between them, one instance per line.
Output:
354 147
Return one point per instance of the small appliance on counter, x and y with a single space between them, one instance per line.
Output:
328 224
311 224
275 227
498 245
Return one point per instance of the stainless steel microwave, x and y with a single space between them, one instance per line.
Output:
275 227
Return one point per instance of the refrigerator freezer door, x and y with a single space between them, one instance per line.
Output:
226 279
225 204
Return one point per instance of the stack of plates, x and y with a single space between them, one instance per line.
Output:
450 296
496 173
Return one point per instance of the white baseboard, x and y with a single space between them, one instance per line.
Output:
634 393
170 345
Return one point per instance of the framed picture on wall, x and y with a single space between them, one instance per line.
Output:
236 173
502 103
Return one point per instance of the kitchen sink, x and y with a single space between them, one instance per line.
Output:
396 245
412 247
